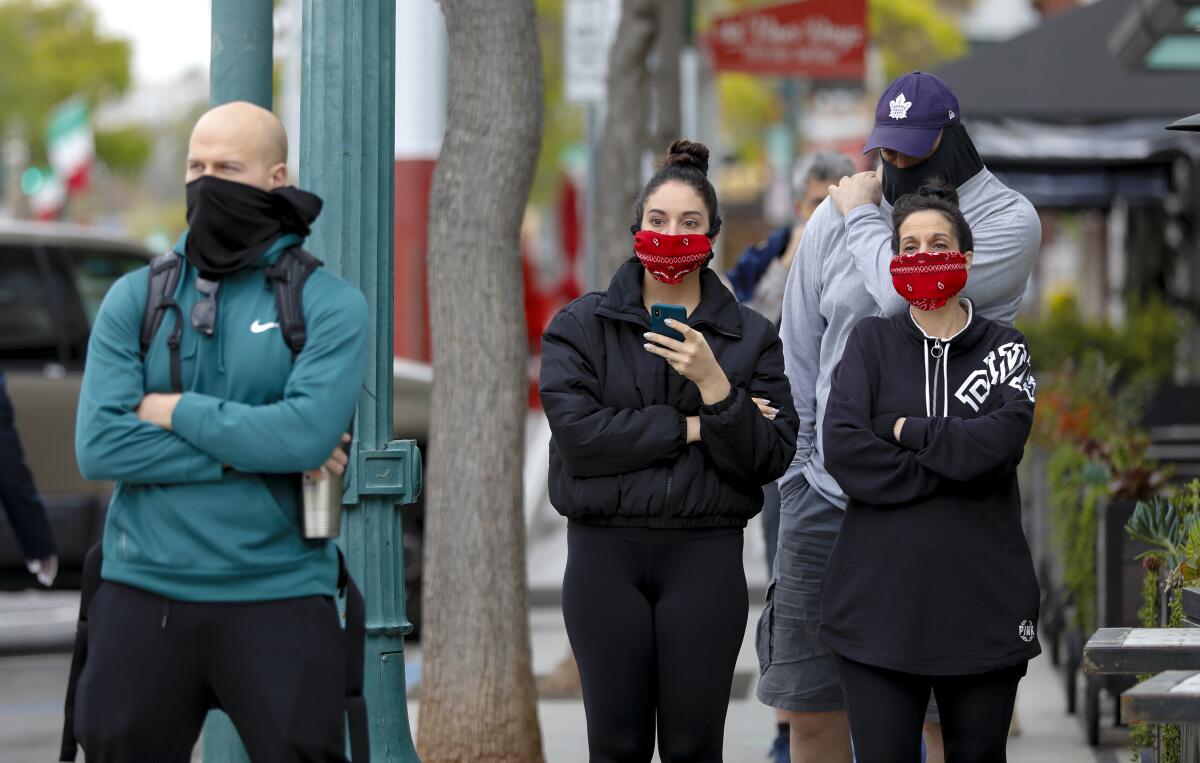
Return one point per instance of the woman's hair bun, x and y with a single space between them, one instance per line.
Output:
687 154
939 188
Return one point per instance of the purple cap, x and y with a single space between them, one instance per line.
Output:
911 113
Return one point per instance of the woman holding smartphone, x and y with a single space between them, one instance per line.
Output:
930 585
659 453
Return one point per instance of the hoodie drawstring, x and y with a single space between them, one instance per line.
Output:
946 380
941 353
926 378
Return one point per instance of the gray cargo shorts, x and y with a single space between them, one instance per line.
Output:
796 671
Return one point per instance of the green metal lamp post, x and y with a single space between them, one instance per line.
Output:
346 157
241 57
347 139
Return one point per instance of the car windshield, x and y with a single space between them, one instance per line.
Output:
93 273
26 325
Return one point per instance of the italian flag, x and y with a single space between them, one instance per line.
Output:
71 144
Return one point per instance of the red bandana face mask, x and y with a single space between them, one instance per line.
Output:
929 280
670 258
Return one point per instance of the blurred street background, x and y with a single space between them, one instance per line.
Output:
1065 99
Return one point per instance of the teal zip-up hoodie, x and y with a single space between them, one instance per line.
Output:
209 511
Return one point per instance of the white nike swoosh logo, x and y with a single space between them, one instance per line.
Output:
259 328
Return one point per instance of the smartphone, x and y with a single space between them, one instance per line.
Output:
658 319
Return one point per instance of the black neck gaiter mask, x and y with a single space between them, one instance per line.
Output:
230 224
955 162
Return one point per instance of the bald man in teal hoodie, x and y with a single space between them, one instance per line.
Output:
211 596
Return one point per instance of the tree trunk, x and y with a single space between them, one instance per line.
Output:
625 136
478 701
668 83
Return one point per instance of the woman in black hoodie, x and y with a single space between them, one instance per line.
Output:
659 452
931 584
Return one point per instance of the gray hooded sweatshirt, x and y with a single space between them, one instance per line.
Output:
841 275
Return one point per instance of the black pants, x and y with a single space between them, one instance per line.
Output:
156 666
887 709
656 620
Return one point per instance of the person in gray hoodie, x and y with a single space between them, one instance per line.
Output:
842 276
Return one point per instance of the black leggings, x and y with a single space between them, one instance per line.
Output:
656 620
887 709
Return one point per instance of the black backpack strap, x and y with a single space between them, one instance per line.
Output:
356 636
160 297
287 277
89 583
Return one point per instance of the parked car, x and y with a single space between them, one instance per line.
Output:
52 280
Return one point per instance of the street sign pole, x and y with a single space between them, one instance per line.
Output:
243 40
588 29
347 157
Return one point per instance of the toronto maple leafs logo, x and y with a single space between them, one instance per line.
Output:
900 106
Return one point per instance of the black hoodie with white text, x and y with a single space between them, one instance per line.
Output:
931 573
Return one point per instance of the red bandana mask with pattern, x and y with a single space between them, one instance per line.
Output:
670 258
929 280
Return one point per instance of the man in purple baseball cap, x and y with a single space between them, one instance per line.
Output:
911 114
841 275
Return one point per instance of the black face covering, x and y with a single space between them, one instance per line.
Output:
230 225
955 162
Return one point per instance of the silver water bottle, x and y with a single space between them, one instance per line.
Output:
322 502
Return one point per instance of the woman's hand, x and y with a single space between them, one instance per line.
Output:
693 359
898 428
764 407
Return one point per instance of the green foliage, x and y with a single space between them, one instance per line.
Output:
748 105
914 34
1171 749
1158 523
1076 487
125 150
53 50
1142 735
1172 525
1140 351
562 122
1094 380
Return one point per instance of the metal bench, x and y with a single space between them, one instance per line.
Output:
1171 696
1114 651
1178 445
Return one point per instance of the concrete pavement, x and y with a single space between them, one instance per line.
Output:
32 682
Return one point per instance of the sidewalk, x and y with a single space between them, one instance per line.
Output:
1048 734
36 630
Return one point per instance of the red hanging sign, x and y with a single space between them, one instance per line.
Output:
819 39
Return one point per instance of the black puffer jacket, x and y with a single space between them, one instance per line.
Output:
618 456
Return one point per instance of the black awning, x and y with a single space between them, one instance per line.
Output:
1063 72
